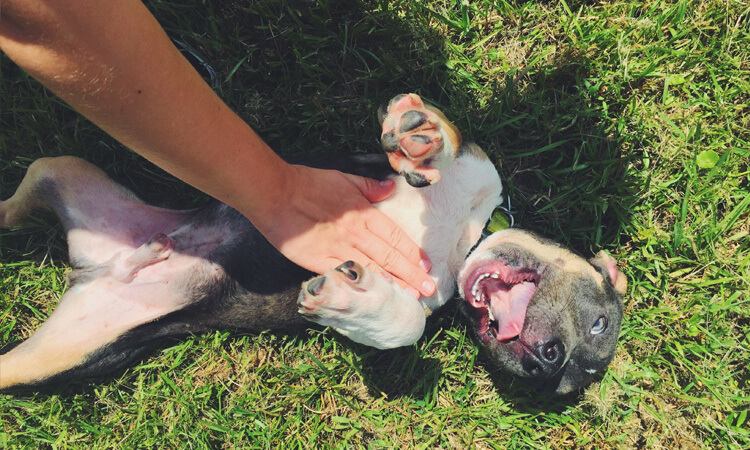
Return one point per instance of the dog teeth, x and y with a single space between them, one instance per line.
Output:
491 316
476 292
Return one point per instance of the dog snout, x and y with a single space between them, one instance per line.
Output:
316 285
545 359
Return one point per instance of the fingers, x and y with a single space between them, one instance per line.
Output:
360 232
362 259
373 190
384 228
395 253
413 292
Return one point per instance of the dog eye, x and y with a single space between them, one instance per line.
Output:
599 326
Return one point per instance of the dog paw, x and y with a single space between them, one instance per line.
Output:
330 296
363 306
418 139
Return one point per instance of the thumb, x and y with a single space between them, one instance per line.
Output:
373 190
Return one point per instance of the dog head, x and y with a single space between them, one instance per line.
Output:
541 312
419 140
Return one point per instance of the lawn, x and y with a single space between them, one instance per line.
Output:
616 125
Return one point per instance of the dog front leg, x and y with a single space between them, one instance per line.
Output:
363 306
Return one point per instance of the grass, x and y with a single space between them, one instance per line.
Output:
595 113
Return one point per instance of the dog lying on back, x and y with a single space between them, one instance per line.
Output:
144 273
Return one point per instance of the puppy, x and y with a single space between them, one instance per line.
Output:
537 309
144 273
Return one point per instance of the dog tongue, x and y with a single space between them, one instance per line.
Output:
509 308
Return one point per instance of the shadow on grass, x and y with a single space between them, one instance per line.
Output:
310 77
401 372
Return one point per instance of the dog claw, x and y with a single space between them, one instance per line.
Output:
315 285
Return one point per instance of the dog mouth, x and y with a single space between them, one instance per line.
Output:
499 295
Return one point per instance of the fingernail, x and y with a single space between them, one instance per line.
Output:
426 264
428 287
386 183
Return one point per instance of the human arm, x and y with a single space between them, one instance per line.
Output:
114 64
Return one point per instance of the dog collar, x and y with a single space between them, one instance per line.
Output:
500 219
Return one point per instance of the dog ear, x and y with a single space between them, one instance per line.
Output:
608 266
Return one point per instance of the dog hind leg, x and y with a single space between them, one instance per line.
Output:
100 217
90 317
105 223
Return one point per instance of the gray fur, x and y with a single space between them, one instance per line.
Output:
565 307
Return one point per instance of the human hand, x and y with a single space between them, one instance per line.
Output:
324 217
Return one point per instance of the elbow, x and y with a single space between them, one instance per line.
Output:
29 22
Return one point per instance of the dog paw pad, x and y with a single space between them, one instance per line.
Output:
411 120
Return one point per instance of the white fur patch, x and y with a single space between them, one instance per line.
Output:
446 219
561 257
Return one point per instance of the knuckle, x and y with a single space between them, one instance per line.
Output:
396 236
401 241
390 259
370 185
357 238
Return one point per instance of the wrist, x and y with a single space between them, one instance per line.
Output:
262 204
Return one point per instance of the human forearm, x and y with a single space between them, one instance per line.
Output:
114 64
84 52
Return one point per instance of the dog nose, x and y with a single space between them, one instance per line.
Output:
552 352
545 360
314 287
